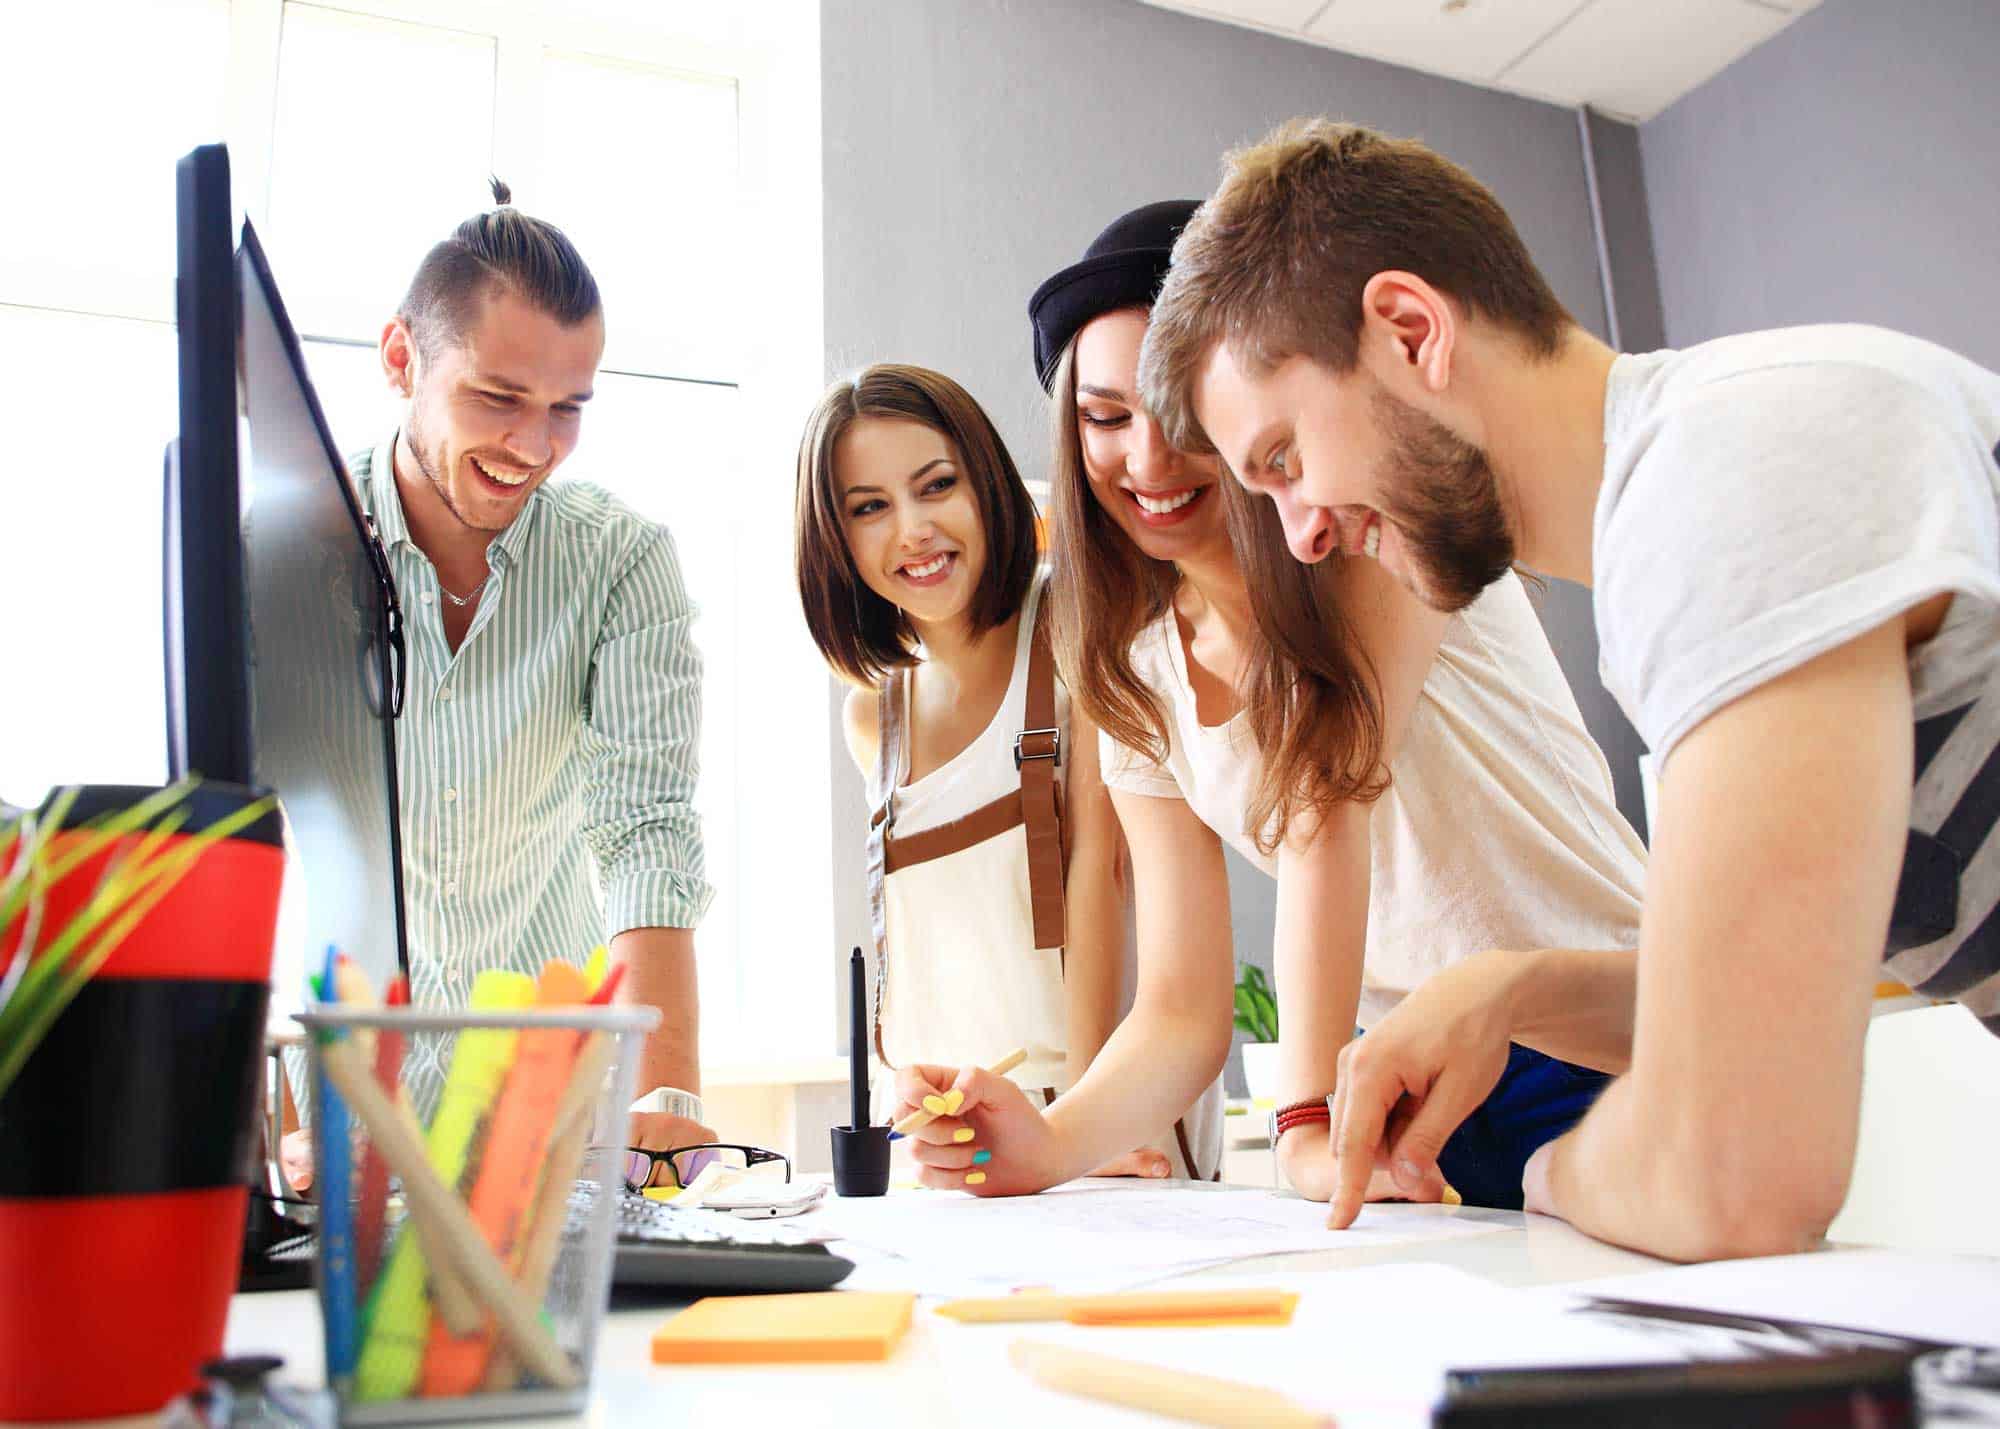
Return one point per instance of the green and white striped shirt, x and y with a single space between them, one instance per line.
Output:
563 730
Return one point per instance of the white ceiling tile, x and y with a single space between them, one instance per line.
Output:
1474 41
1267 14
1629 57
1635 57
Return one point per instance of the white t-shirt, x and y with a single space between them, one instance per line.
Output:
1499 828
1769 497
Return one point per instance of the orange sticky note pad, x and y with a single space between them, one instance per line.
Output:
831 1325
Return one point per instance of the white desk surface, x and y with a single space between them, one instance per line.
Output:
914 1386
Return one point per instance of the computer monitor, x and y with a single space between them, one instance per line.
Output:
284 637
208 698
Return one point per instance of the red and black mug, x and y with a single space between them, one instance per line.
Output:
127 1140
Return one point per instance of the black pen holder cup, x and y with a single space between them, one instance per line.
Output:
861 1160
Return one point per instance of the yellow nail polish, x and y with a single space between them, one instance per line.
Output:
953 1100
964 1133
937 1105
975 1178
1452 1198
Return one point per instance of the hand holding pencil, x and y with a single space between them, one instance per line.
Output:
971 1129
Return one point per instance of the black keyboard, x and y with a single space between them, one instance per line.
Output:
663 1247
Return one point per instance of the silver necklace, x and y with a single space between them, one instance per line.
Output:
470 596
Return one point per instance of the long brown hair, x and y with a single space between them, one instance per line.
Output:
863 636
1311 698
1103 590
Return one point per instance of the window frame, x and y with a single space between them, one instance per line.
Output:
784 749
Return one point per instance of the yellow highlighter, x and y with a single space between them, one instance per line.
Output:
399 1310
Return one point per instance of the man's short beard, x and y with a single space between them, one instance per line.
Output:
1442 496
418 442
427 464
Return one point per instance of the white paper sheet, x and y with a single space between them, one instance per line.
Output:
1368 1346
1926 1296
1096 1237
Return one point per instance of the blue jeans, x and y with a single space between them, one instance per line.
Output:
1536 1099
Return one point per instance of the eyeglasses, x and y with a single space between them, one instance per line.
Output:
684 1163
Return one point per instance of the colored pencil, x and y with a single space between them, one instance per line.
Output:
336 1211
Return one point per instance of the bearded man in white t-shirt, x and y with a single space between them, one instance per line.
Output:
1794 540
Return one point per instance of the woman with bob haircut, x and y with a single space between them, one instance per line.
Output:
1422 788
997 914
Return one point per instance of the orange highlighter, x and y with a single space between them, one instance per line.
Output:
517 1144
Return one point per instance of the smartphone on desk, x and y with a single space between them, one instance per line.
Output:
756 1200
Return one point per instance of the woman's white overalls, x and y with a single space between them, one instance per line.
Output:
966 878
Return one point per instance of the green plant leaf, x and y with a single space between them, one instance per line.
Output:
1256 1004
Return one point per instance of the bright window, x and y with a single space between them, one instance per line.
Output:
677 144
660 218
92 128
355 197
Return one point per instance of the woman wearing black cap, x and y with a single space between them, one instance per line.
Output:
1422 787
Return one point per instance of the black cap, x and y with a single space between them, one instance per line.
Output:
1122 268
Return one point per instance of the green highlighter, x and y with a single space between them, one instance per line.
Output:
398 1315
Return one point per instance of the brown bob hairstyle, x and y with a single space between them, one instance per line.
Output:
861 635
1311 698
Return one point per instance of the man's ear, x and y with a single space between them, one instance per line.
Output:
397 348
1410 328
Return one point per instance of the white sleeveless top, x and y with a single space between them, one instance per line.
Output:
1499 829
965 980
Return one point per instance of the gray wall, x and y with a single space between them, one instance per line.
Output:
974 146
1844 171
1630 285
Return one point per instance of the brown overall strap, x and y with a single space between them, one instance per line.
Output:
985 822
1038 754
890 761
1187 1154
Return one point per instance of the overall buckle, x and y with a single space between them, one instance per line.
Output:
1054 750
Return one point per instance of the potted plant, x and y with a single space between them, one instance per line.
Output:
135 953
1257 1019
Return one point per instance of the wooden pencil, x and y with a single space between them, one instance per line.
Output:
1176 1394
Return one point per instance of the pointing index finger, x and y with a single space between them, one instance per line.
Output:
1363 1101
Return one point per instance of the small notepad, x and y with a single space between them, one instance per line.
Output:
785 1329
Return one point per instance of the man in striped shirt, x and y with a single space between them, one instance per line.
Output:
553 704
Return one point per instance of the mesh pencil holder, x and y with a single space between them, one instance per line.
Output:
468 1168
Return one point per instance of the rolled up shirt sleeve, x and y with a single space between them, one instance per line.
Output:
643 716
